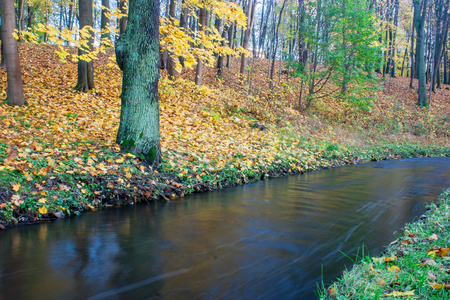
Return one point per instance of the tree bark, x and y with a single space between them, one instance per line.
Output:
250 19
105 22
138 52
412 62
123 20
419 20
170 62
85 80
30 16
199 71
231 34
272 69
221 58
11 52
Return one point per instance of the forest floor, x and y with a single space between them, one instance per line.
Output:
58 155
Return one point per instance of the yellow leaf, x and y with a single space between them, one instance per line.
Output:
401 294
42 200
16 187
128 175
119 160
42 210
391 258
394 268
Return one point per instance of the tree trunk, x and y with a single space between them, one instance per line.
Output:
105 22
21 17
46 13
123 19
138 50
420 28
413 62
445 64
272 69
2 53
170 62
230 42
30 16
221 58
85 68
11 52
199 71
250 19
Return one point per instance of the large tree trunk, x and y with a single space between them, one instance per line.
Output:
105 22
199 71
419 21
85 68
138 56
11 52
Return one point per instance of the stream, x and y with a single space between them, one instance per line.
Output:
274 239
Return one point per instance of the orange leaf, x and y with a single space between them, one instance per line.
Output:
16 187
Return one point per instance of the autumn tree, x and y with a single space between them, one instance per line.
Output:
137 54
85 67
15 94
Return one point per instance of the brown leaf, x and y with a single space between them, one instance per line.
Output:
332 292
431 276
433 237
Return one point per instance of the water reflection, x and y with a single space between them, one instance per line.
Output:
264 241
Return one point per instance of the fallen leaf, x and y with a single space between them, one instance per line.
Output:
390 258
42 200
433 237
42 210
16 187
401 294
394 268
380 281
332 292
438 251
431 276
63 187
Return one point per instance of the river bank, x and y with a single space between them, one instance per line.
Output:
414 266
58 155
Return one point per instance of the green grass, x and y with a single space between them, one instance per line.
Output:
408 268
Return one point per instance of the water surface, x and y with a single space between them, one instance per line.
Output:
269 240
